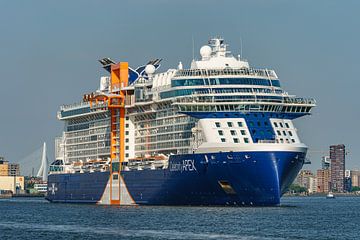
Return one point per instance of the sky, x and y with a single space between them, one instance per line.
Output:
49 52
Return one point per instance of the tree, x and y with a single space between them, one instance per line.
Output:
294 188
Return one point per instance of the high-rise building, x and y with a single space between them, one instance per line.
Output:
337 158
323 180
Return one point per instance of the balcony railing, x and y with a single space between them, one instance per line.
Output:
228 71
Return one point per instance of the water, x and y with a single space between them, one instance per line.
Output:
297 218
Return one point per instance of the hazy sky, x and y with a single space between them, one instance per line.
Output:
49 52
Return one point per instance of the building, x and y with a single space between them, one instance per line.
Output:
9 169
40 187
312 184
337 169
325 162
307 179
10 179
14 169
12 183
4 167
323 180
355 178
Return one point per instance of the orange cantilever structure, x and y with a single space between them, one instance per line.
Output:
116 105
115 102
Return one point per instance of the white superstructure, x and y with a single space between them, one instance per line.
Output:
219 103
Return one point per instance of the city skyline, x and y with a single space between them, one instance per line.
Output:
50 53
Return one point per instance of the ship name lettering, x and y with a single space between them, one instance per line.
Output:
189 165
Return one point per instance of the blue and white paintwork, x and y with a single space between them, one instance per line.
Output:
225 130
257 177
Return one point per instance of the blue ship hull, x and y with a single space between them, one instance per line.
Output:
224 178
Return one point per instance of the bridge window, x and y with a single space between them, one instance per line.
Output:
217 124
240 124
230 124
223 140
243 132
293 140
236 140
287 125
246 140
233 132
278 132
284 133
221 133
290 133
275 124
281 125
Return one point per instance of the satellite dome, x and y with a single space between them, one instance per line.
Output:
150 69
205 51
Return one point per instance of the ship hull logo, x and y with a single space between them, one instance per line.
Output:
53 189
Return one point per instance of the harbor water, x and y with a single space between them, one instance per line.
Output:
296 218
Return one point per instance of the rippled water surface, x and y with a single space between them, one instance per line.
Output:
297 218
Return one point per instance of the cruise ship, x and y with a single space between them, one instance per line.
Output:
218 133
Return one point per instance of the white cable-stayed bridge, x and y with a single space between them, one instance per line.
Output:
35 164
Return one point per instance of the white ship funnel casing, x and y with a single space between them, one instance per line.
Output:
43 171
104 84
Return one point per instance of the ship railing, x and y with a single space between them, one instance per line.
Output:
74 106
267 141
239 90
208 98
227 71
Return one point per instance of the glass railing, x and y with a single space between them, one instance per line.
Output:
229 71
